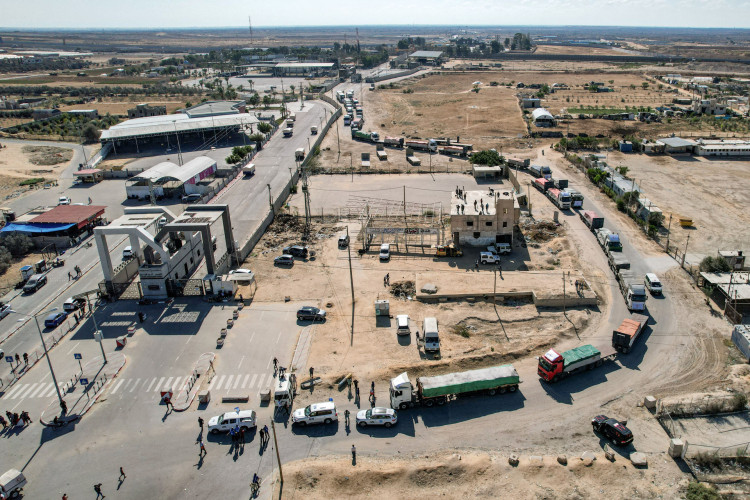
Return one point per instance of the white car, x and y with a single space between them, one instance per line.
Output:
240 271
63 200
224 423
385 251
319 413
499 248
5 310
488 258
377 416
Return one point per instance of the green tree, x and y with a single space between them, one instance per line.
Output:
715 265
495 46
264 127
17 244
487 157
91 133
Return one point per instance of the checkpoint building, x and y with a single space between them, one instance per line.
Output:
167 179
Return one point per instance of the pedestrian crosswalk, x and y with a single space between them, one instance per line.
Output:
127 386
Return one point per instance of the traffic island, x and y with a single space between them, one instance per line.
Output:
80 393
182 400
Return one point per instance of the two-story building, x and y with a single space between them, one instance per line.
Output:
479 218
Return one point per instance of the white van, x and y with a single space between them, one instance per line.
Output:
431 336
402 324
343 241
292 117
652 283
127 252
385 251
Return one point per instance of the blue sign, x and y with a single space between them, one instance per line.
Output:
9 359
83 381
77 355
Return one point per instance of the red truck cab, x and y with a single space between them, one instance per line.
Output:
550 365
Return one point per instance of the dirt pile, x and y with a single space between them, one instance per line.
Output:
541 231
403 288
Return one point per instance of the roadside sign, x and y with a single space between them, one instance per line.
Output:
9 359
77 355
83 381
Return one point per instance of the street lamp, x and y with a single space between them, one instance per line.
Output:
98 335
46 354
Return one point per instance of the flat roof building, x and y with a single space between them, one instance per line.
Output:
427 57
306 68
479 218
145 109
677 145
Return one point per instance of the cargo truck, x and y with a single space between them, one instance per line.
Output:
592 220
617 261
429 145
517 163
540 171
454 150
365 136
561 183
542 184
576 198
626 334
554 366
394 142
441 389
561 199
632 289
608 240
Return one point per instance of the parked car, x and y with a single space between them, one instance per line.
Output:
377 416
385 251
127 252
240 271
318 413
63 200
191 198
612 429
35 282
499 248
284 260
311 313
245 419
5 310
72 304
55 318
296 250
488 258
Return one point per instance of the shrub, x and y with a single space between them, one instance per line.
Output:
91 133
31 182
18 244
5 259
620 204
699 491
656 219
714 265
264 127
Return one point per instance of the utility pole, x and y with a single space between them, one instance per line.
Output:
276 445
338 140
564 294
668 233
685 253
530 200
351 279
306 194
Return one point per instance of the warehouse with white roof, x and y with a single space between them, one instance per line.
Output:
169 180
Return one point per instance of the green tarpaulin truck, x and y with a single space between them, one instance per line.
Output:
553 366
440 389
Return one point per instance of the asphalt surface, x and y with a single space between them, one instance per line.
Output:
130 428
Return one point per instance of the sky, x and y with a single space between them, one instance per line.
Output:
234 13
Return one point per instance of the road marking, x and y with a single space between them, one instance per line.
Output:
167 386
270 380
38 390
252 382
219 382
237 382
158 385
150 385
138 381
178 383
25 391
252 337
73 348
241 360
15 389
278 338
117 386
229 382
53 390
244 382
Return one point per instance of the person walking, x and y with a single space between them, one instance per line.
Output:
64 407
242 435
354 455
168 402
312 370
356 393
122 475
200 424
18 359
388 278
26 358
203 451
356 384
346 417
275 364
98 490
65 496
3 422
70 277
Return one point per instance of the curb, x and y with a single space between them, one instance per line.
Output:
192 391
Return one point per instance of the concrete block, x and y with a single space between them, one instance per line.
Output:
513 460
536 460
562 459
676 447
588 458
609 453
649 402
639 459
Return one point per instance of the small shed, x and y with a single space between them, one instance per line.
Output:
91 175
626 147
487 172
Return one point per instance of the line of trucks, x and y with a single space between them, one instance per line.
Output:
631 287
557 190
552 366
441 146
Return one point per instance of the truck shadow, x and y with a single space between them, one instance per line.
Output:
563 391
464 409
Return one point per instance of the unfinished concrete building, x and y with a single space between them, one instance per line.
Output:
480 218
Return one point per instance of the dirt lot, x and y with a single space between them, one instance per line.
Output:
718 192
121 107
18 163
564 49
472 474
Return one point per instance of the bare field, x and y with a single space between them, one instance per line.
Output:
476 474
19 163
584 50
714 193
121 108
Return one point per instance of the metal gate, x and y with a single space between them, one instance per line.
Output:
185 288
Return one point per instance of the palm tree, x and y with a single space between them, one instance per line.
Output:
251 83
291 87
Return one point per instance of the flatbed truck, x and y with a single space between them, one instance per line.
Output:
592 220
440 389
628 332
554 366
633 290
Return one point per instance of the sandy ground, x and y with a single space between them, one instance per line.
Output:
17 165
474 474
714 193
564 49
122 107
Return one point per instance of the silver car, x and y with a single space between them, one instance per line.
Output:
377 416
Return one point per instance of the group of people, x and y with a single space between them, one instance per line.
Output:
14 419
76 275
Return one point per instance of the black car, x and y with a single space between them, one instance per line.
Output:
612 429
311 313
297 251
284 260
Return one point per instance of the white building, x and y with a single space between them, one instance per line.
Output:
542 118
168 179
